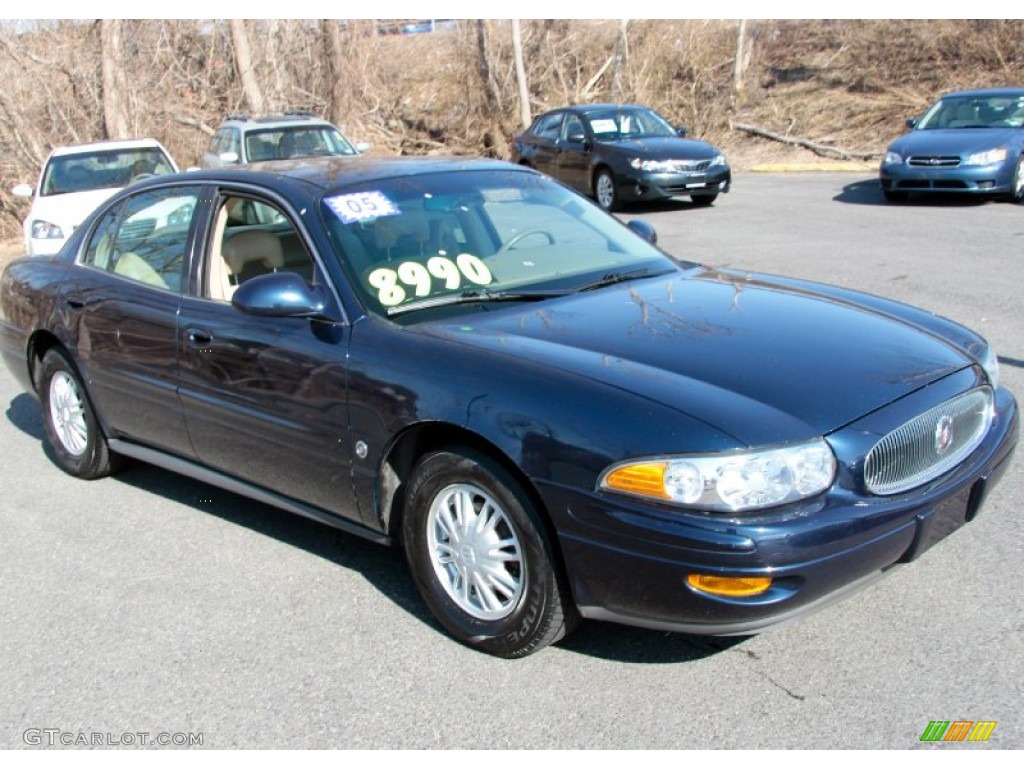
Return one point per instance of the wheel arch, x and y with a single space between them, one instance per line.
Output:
400 458
39 344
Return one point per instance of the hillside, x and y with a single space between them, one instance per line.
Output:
843 84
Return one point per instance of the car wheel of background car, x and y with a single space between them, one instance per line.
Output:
480 557
703 199
1016 194
71 428
604 190
893 196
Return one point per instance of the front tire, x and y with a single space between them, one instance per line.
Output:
605 193
1016 194
480 556
78 444
893 196
703 200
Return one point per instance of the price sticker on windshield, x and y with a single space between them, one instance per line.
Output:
421 277
361 206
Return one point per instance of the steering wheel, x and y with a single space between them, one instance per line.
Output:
518 238
141 176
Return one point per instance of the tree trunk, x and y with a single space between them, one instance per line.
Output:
115 89
740 64
334 52
621 57
243 63
524 86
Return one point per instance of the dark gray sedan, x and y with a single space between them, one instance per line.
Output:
622 153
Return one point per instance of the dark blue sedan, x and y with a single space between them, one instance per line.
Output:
967 143
552 417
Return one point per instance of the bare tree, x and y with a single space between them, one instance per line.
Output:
621 58
115 88
243 63
742 58
524 87
334 52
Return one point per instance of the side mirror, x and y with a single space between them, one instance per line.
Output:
681 131
362 147
279 294
228 157
645 230
911 122
22 190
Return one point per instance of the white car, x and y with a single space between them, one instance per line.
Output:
76 179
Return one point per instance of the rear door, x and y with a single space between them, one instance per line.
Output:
123 310
265 397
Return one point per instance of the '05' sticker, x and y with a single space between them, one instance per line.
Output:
421 277
361 206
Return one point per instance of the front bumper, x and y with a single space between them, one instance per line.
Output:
628 562
978 180
637 186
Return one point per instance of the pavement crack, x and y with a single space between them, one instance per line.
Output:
764 675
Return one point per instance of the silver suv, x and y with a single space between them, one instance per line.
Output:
243 139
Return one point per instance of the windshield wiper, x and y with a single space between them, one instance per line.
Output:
621 277
470 296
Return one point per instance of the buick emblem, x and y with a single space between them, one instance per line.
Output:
944 434
933 161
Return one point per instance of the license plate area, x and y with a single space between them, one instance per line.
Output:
942 520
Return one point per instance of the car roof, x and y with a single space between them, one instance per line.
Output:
588 108
327 172
103 146
282 120
1006 91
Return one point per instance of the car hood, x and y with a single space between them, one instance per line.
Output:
760 361
665 148
954 141
70 209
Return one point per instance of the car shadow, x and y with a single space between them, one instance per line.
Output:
662 206
869 192
382 567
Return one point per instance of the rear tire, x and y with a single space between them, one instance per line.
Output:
79 446
481 558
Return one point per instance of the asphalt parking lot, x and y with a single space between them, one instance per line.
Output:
149 603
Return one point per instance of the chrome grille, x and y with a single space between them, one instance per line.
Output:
926 446
934 161
687 166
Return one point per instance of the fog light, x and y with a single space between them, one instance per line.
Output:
729 586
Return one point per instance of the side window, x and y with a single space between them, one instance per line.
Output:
146 238
252 237
549 127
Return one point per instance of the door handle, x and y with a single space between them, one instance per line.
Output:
198 337
77 302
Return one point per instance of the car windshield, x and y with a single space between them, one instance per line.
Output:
471 237
102 170
304 141
615 125
975 112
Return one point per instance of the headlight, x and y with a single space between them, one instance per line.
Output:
653 166
717 160
892 158
986 158
728 482
44 230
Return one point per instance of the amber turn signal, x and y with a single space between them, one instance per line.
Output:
729 586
